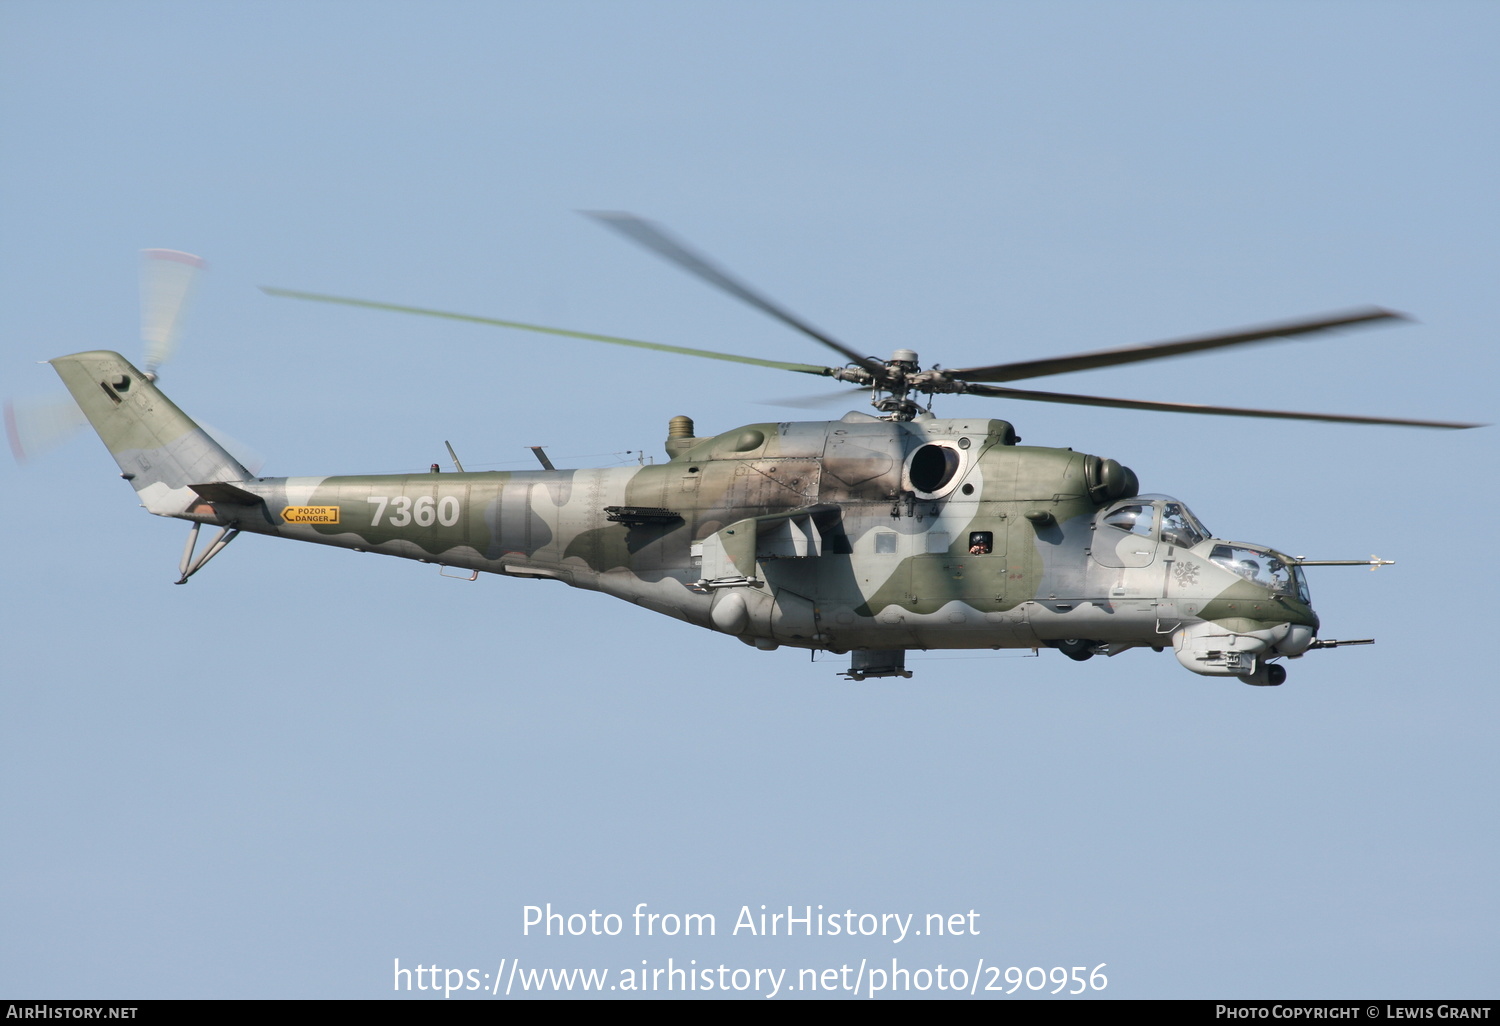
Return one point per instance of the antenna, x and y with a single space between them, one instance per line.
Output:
454 456
541 457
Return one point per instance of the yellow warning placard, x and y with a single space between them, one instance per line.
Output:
311 514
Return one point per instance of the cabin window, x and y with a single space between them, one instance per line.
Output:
981 543
885 542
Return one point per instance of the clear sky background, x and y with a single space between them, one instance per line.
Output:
307 763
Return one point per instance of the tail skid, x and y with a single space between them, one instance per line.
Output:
189 566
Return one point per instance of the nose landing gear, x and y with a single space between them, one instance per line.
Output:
1266 675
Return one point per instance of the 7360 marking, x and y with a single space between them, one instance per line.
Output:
423 512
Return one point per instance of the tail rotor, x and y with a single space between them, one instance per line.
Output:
38 424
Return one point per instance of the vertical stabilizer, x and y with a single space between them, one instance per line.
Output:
158 447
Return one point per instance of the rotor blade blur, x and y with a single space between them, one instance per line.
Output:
1000 392
167 277
811 402
1158 350
35 426
248 457
804 368
663 245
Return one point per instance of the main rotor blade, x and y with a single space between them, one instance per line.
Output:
663 245
812 402
1155 351
1001 392
804 368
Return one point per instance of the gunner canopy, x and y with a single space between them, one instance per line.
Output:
1263 567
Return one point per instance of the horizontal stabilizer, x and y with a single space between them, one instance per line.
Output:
222 491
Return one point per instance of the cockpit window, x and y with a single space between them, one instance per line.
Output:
1179 527
1263 568
1135 519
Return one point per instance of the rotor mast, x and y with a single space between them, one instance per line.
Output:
895 381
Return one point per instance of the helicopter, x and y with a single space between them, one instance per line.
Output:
868 536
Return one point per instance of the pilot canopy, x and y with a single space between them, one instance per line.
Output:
1157 518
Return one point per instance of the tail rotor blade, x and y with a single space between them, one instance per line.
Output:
167 277
36 426
249 457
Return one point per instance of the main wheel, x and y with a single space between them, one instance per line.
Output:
1076 648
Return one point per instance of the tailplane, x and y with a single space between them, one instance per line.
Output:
160 450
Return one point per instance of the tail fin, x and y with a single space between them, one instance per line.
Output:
161 452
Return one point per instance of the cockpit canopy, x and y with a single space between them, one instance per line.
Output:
1163 518
1139 515
1263 567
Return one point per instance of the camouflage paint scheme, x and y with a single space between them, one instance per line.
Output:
848 536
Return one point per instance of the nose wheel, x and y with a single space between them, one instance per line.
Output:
1266 675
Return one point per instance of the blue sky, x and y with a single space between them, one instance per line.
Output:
305 764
